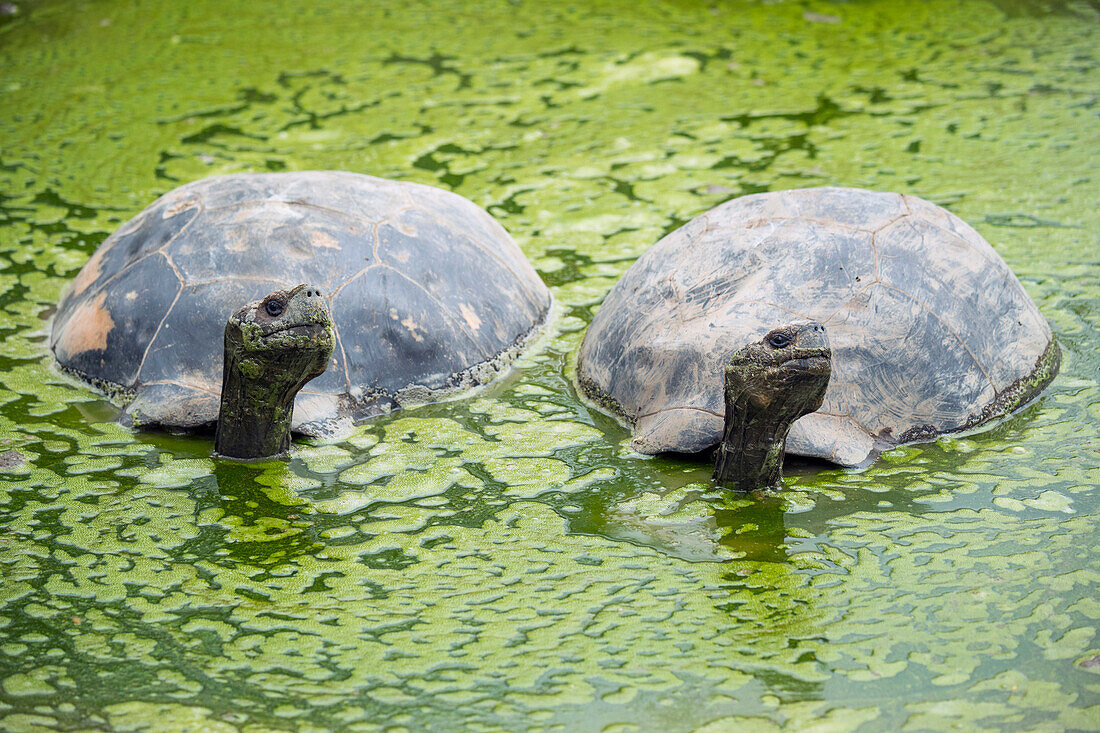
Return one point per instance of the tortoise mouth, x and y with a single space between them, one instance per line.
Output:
809 360
298 330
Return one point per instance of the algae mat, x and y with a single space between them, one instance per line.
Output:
504 562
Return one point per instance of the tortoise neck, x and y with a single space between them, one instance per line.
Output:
257 405
750 455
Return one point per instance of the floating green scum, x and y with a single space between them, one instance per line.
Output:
506 561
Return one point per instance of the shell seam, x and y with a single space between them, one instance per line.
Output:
149 346
666 409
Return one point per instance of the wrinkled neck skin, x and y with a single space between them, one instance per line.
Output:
258 402
263 371
765 393
754 440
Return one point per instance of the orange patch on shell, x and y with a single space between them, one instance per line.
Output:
86 330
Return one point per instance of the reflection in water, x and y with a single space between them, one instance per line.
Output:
268 525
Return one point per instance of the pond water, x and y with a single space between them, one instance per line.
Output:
504 561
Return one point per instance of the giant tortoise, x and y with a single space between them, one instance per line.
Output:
930 332
427 292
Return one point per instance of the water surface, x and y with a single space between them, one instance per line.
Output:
504 561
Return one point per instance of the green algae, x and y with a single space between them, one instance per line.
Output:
504 561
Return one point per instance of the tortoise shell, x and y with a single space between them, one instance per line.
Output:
428 292
931 332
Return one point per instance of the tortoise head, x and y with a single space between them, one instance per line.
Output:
770 384
786 372
272 348
283 330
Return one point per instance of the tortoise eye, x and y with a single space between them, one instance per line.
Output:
779 340
274 308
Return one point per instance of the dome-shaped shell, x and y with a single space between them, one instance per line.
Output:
930 330
427 291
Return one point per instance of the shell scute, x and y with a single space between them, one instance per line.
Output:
412 340
232 190
105 336
170 403
943 219
315 247
170 217
83 335
777 270
435 258
128 245
844 207
464 219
